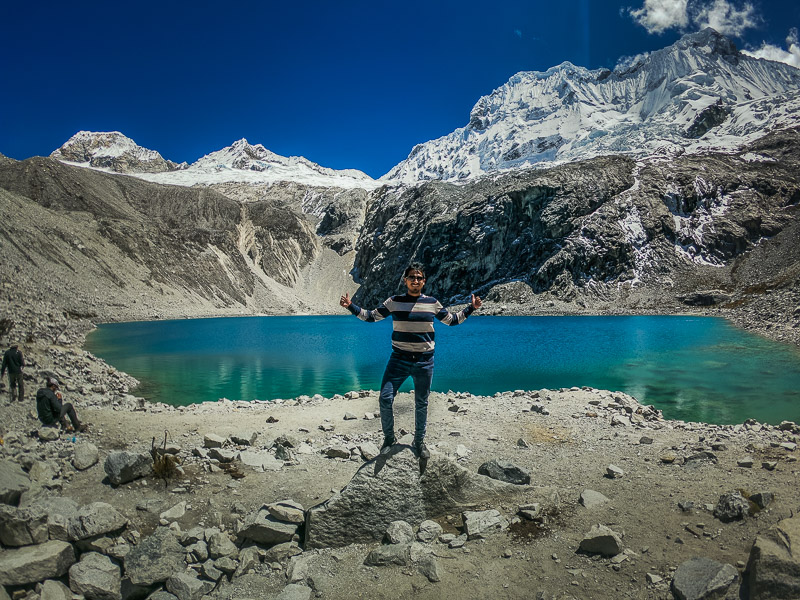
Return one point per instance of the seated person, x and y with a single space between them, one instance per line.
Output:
51 410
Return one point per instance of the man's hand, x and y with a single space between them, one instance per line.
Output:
345 300
476 301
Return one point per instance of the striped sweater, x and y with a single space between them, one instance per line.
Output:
412 320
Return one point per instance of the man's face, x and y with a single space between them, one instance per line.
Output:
414 282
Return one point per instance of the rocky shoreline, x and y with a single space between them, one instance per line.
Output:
620 502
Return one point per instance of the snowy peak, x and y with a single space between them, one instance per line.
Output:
112 151
240 162
244 156
696 94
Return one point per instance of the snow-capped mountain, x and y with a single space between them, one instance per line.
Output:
239 163
112 151
700 93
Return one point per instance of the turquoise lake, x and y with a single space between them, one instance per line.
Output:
692 368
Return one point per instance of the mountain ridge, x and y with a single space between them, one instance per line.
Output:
646 106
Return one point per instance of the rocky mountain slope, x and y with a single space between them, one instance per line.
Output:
111 245
699 94
596 231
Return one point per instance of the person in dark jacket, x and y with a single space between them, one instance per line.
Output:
51 410
14 362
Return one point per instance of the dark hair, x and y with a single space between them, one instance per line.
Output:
414 267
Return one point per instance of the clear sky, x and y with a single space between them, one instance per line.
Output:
347 84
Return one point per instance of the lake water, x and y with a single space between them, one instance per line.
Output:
693 368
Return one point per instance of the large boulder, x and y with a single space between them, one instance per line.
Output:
774 565
122 467
96 577
155 559
188 587
13 481
22 526
95 519
703 579
60 513
261 527
30 564
391 488
86 455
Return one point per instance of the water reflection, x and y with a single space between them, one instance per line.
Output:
692 368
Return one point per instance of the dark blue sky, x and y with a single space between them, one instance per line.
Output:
349 84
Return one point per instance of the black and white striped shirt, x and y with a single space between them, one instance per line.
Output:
412 320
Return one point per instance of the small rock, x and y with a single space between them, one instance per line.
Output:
601 540
614 472
732 506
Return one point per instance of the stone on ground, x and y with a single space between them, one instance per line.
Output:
774 565
22 526
732 506
601 540
95 519
30 564
86 455
13 481
261 527
505 471
702 578
591 499
391 488
399 532
155 559
480 524
187 586
96 577
122 467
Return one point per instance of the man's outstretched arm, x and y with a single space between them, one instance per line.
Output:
370 316
449 318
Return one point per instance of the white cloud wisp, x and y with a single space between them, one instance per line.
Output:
791 56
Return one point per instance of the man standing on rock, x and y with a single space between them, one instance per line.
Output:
52 412
412 349
14 362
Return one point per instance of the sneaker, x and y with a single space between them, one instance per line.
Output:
388 442
420 449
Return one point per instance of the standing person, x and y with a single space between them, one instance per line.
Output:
52 412
412 349
14 362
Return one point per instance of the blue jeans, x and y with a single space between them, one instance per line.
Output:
399 369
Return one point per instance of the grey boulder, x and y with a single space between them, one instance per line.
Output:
601 540
97 518
96 577
22 526
261 527
122 467
13 481
391 488
188 587
732 506
702 578
505 471
86 455
480 524
155 559
774 565
30 564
